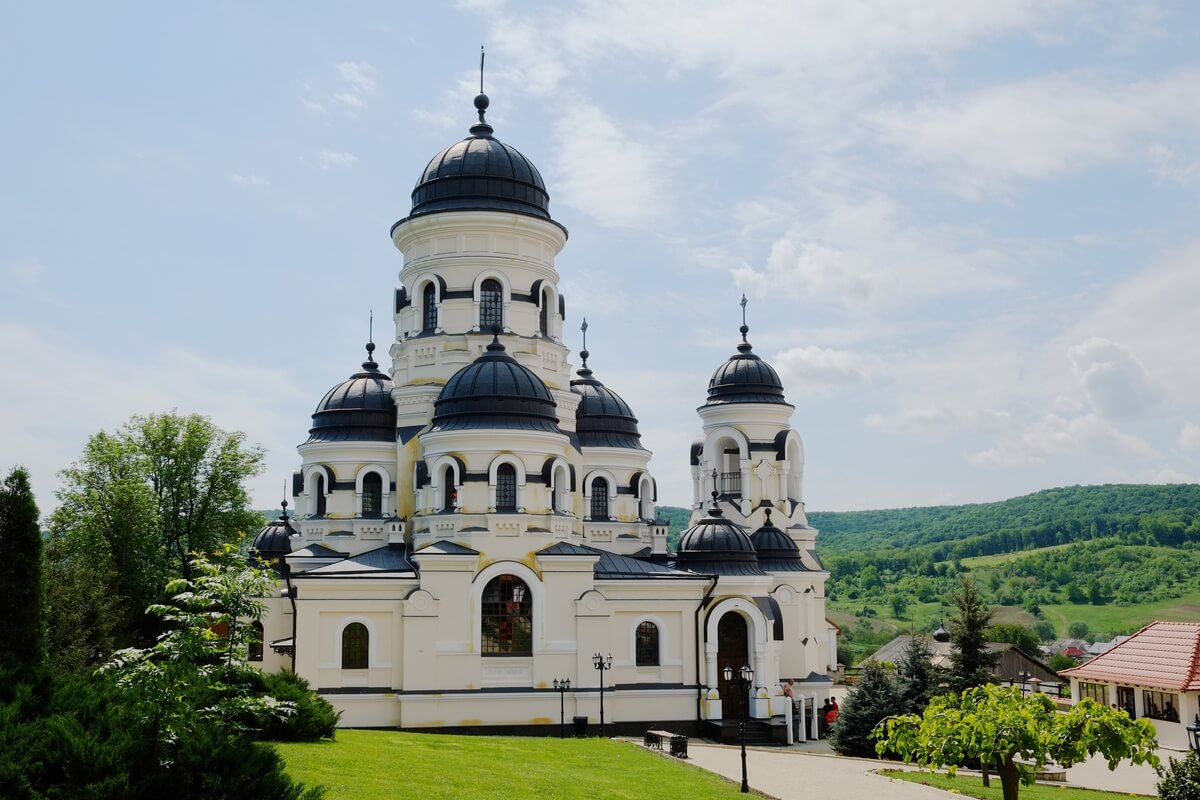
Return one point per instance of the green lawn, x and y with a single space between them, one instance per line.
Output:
976 562
972 786
371 765
1112 617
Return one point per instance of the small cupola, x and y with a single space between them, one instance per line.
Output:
717 546
495 392
777 552
359 409
602 419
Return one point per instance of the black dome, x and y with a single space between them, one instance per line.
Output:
777 552
717 546
275 540
494 391
481 173
745 378
359 409
603 419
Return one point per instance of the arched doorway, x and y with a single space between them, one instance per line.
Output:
733 650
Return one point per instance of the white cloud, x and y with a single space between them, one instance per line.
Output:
604 171
928 422
854 251
349 100
1114 380
313 106
1054 435
26 271
1168 164
811 369
328 159
255 181
359 74
1042 127
1189 436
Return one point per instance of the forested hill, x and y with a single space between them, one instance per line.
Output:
1042 519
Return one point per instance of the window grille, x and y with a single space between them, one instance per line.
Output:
429 305
506 488
729 483
372 495
599 499
646 641
506 618
320 495
544 317
491 305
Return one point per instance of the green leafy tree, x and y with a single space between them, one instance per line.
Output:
899 605
1044 629
1179 779
873 697
1020 636
971 661
1014 734
1079 630
138 502
917 679
1061 661
23 645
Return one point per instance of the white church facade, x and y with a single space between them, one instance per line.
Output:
472 527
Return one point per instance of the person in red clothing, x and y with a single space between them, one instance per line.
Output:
831 717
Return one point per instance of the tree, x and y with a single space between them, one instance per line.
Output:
1015 734
1017 635
917 678
1079 630
23 645
1061 661
138 502
873 698
971 661
1180 778
899 605
1044 629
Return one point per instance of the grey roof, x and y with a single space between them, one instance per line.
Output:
495 391
603 419
387 560
745 378
717 546
318 550
359 409
447 548
613 566
275 539
777 552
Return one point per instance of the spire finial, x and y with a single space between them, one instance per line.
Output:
283 504
370 362
583 370
743 308
481 128
768 522
371 325
715 511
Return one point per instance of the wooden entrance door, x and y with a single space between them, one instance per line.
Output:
733 650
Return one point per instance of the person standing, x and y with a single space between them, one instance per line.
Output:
831 718
823 719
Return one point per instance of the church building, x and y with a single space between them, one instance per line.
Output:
473 540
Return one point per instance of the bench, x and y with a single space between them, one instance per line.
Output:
678 742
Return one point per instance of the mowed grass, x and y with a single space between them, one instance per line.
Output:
972 786
372 765
1113 617
977 562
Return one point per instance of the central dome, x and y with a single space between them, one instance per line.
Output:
494 391
481 173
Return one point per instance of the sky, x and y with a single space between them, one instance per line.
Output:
968 232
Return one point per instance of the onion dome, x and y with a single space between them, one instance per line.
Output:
777 552
603 419
275 540
745 378
941 634
717 546
494 391
480 173
359 409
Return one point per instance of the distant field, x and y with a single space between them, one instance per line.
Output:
1112 617
982 562
373 765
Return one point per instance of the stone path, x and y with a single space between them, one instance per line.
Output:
812 771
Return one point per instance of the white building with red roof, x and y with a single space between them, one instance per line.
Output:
1155 674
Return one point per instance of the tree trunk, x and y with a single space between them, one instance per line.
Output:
987 776
1010 778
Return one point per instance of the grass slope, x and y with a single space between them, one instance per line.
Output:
372 765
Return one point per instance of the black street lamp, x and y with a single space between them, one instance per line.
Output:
1193 732
741 682
1024 676
562 687
600 663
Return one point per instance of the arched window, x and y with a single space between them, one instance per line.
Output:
646 644
506 618
429 309
255 649
491 305
506 488
319 488
544 317
372 495
449 493
355 641
599 499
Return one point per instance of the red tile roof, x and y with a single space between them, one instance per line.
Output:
1162 655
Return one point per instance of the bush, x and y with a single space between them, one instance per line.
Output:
1180 778
873 698
314 718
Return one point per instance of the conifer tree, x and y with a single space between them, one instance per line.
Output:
971 661
873 698
23 645
917 677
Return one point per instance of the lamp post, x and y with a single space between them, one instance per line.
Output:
1024 676
741 682
600 663
562 687
1193 733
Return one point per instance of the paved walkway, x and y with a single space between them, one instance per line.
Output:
811 771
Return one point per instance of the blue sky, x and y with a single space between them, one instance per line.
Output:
968 231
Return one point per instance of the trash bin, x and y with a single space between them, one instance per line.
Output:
580 726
